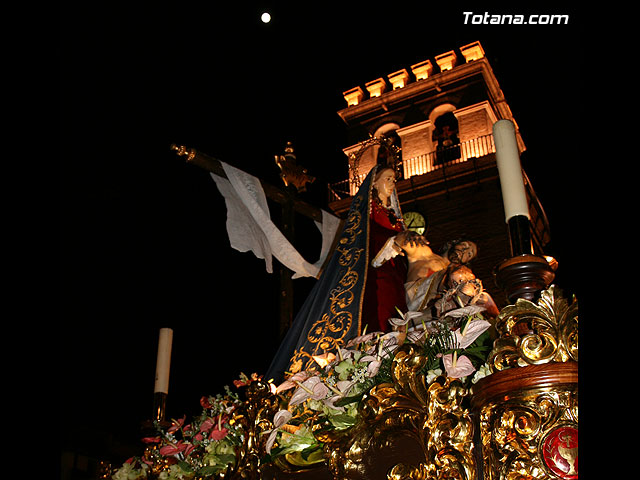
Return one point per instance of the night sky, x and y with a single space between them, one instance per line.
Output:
143 243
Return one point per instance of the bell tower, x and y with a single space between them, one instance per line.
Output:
433 121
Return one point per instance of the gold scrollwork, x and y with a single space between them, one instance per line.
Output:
536 333
254 417
431 414
512 431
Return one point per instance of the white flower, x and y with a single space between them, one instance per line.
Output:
482 372
465 311
432 374
404 318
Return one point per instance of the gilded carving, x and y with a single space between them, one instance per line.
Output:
536 333
515 434
432 414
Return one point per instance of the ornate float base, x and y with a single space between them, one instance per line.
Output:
528 419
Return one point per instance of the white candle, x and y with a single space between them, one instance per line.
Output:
514 197
163 361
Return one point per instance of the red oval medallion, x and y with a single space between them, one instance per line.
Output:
560 452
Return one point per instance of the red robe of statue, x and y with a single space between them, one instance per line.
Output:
384 290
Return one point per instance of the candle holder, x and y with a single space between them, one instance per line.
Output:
524 276
159 406
159 417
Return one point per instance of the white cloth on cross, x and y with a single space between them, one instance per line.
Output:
250 228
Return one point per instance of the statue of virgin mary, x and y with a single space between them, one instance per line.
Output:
350 293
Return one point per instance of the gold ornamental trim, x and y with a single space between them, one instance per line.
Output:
329 333
536 333
528 422
433 414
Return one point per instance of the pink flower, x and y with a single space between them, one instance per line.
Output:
176 425
310 388
244 380
457 367
180 447
416 336
361 339
341 389
218 434
280 419
374 365
404 318
151 440
291 381
206 425
219 431
324 359
388 343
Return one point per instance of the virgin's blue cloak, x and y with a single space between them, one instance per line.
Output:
332 313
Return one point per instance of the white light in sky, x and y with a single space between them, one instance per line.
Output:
266 18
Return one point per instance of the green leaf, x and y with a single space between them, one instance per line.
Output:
226 458
342 421
276 450
210 469
347 400
309 450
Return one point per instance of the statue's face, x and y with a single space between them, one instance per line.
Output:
462 274
464 251
385 183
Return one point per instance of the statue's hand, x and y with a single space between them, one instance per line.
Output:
414 239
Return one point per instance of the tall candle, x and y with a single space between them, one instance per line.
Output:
514 197
163 362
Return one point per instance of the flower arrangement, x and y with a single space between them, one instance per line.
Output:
328 398
312 402
204 447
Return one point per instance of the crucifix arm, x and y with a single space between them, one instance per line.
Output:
213 165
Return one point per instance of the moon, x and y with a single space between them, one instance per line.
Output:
265 17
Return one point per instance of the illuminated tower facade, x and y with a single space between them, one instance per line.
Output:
433 121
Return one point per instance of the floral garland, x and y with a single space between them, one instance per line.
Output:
203 447
312 402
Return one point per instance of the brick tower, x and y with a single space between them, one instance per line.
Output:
435 118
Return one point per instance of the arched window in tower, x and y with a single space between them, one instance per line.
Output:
445 137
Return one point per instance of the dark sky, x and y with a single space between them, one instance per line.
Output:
143 243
